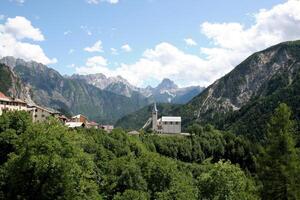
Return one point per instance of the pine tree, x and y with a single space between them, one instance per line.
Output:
278 164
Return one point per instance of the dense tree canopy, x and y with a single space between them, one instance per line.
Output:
49 161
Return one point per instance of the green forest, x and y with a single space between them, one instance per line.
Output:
49 161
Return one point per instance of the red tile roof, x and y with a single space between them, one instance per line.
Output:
2 95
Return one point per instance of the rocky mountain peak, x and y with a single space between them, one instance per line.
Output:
167 84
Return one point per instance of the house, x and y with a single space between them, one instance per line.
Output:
166 124
107 128
11 104
79 118
39 114
92 125
75 124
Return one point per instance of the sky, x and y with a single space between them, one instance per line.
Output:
193 42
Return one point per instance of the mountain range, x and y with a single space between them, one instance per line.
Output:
100 98
166 92
244 98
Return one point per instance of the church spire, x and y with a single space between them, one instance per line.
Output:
154 108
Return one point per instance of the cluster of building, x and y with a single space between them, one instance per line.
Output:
81 121
40 114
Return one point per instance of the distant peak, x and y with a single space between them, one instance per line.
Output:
167 84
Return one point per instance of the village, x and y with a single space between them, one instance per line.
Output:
166 125
41 114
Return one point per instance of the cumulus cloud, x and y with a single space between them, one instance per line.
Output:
97 47
126 48
165 60
12 33
21 28
190 42
98 1
94 65
231 43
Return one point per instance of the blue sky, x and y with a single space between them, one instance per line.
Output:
159 37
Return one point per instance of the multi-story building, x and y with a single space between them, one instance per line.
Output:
39 114
11 104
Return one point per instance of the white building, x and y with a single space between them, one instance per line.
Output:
166 124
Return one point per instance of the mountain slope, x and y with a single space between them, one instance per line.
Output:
258 76
50 89
11 85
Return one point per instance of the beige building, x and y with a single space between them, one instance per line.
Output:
107 128
166 124
169 125
39 114
11 104
92 125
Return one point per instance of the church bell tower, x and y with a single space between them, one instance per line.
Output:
154 117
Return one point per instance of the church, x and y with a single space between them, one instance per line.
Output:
165 124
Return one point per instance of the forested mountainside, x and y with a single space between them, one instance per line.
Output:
257 85
48 88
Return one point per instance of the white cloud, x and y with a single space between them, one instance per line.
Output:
165 60
190 42
97 47
94 65
20 2
11 35
68 32
21 28
114 51
126 48
231 43
98 1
